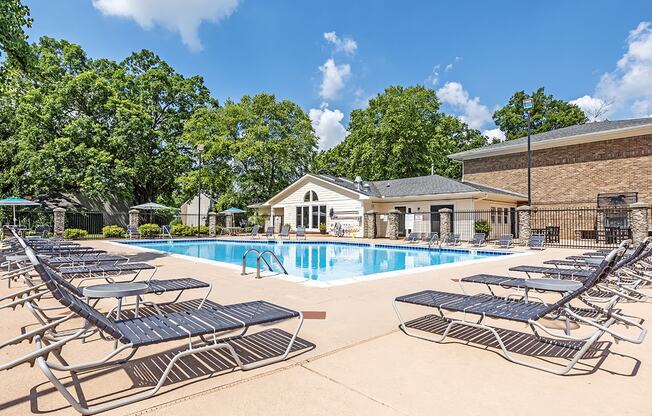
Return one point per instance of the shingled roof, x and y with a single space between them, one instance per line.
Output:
566 132
420 185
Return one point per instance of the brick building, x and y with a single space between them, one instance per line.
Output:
572 165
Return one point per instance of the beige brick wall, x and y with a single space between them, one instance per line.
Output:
572 175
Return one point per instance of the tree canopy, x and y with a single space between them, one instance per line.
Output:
253 148
14 18
547 114
95 126
400 134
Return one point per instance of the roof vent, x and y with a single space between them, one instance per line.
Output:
358 182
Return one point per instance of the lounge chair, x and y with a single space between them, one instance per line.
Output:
429 238
413 237
285 232
505 241
301 233
478 239
269 233
537 242
437 328
132 232
106 271
452 240
42 231
207 325
254 231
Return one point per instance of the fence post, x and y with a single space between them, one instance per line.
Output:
640 221
370 224
392 224
134 218
59 221
445 222
524 222
212 224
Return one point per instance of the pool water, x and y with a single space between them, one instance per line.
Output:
321 261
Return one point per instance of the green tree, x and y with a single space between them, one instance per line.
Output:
95 126
253 148
14 17
401 134
547 114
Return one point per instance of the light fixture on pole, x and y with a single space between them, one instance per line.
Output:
527 105
200 150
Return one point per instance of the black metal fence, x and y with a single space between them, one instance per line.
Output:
27 217
89 221
582 227
493 222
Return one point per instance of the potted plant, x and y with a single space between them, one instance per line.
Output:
482 226
322 228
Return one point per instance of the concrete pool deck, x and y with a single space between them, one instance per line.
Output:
361 364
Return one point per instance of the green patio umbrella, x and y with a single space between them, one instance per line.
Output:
15 201
233 211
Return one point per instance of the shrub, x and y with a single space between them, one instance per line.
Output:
181 230
113 231
482 226
149 230
175 221
74 233
258 219
322 228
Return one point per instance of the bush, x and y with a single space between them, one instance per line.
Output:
149 230
175 221
113 231
322 228
181 230
482 226
74 233
258 219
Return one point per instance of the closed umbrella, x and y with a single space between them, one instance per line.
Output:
15 201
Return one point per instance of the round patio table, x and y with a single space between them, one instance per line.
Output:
118 291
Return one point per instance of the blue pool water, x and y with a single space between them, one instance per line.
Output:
322 261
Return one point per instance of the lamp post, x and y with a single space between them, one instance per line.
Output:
527 105
200 150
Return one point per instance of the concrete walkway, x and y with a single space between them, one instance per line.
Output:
361 365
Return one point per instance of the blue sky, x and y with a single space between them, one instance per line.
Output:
476 54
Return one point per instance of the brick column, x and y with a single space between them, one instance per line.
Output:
370 224
445 217
134 218
59 222
640 221
392 224
212 224
524 222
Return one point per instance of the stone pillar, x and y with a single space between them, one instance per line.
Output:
393 217
59 222
445 223
212 224
599 226
229 221
640 221
524 222
370 224
134 218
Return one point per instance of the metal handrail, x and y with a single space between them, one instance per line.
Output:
262 256
244 261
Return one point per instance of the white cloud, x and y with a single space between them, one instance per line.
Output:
183 17
328 126
334 77
494 134
474 113
433 78
448 68
347 45
596 109
628 89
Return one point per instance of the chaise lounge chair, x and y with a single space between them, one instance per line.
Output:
201 330
254 231
269 233
537 242
452 240
505 241
132 232
300 234
285 232
412 238
430 238
437 328
478 239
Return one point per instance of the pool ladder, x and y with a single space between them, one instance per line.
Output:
260 256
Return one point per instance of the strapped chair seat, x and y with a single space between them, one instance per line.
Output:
554 271
105 268
82 260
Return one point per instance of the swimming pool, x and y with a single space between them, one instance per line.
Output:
324 261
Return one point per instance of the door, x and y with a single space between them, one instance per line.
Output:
401 220
435 222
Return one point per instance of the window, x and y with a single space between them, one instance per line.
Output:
506 215
310 196
493 215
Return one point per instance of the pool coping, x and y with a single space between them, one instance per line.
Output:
494 255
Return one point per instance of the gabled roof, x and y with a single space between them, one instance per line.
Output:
420 185
598 128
